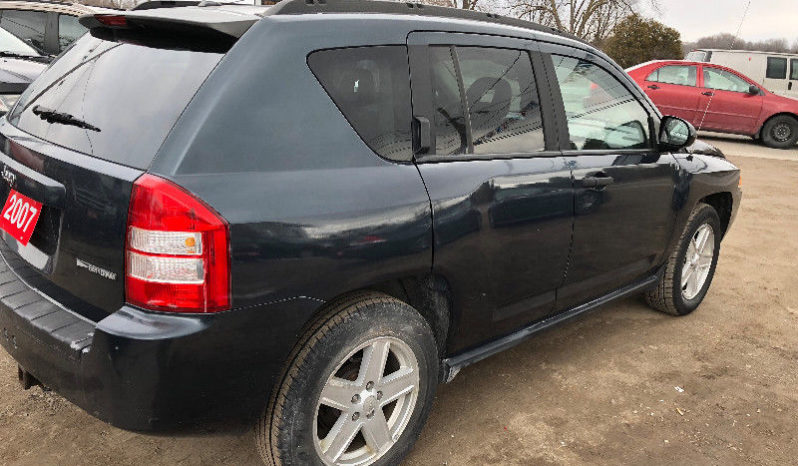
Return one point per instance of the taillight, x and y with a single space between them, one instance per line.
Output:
177 250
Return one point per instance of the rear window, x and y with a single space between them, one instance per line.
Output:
371 87
129 97
777 68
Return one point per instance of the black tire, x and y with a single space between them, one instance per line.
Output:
780 132
286 434
668 295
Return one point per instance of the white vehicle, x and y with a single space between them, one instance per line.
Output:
777 72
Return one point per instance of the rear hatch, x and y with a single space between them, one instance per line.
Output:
79 137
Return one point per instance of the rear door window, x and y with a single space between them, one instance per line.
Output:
794 69
601 112
27 25
777 68
502 99
449 117
371 87
131 96
674 74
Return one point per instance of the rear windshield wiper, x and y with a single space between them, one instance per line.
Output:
40 58
51 116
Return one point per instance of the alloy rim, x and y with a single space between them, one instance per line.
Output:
366 403
782 132
698 261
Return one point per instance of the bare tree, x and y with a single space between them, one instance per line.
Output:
592 20
729 41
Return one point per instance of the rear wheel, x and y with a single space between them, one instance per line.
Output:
780 132
690 268
358 389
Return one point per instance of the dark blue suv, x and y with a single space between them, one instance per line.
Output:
310 215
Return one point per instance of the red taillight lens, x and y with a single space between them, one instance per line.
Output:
178 257
114 21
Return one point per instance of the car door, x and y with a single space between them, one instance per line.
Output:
729 105
624 188
501 193
674 89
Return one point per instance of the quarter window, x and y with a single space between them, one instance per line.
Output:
69 30
724 81
371 87
601 112
27 25
777 68
674 74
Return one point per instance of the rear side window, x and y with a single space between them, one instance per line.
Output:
27 25
675 74
501 101
69 30
130 95
722 80
371 87
502 98
794 69
602 114
777 68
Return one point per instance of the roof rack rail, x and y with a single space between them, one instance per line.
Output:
301 7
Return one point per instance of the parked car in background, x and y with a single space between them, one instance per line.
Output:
776 72
314 235
20 64
49 27
717 98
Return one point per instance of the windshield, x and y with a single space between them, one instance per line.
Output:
9 43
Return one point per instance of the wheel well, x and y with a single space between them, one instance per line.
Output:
791 115
430 295
722 203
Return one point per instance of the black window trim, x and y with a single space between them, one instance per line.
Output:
547 50
419 44
674 84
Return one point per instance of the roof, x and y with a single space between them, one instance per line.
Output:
58 7
746 52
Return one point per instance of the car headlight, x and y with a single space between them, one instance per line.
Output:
7 102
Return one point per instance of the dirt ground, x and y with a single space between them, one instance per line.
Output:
621 385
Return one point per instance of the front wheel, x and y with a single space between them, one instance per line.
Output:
780 132
690 268
358 389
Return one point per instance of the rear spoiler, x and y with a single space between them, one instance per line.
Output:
190 19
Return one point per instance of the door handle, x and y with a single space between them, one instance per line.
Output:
653 86
599 180
708 93
789 86
421 129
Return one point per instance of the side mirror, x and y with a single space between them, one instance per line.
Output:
675 133
753 90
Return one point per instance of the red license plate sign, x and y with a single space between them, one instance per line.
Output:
19 215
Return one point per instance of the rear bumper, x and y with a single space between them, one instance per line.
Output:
144 371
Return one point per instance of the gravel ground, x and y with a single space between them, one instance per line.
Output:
621 385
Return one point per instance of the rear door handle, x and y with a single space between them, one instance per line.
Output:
653 86
597 181
708 93
422 131
789 86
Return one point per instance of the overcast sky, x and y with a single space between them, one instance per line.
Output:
766 19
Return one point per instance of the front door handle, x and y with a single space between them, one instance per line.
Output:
653 86
708 93
789 86
597 181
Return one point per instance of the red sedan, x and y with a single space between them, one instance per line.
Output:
716 98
